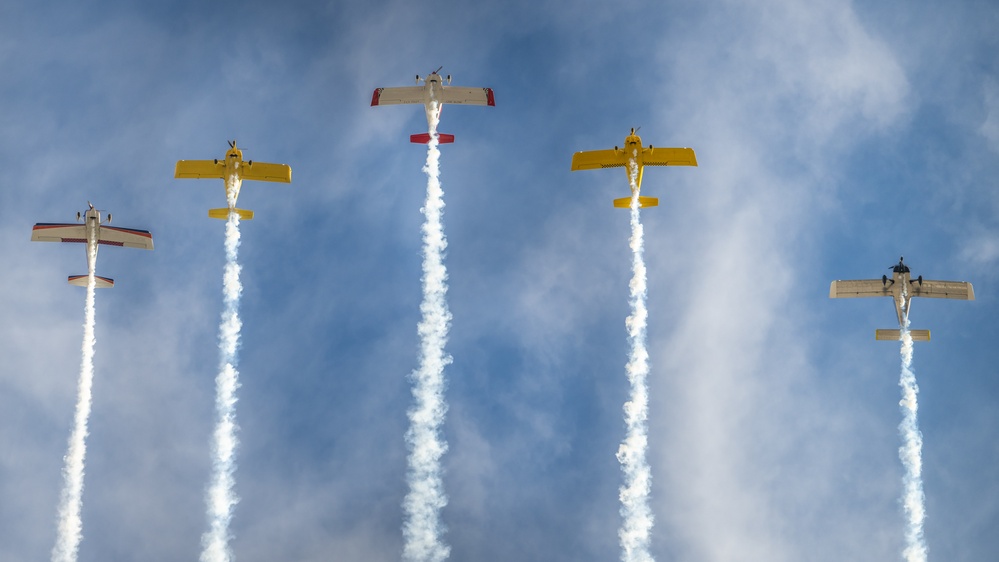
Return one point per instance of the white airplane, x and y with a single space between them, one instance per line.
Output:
901 287
433 89
89 232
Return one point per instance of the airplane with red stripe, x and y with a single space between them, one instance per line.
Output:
92 231
433 94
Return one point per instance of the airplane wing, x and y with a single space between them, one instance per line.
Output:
594 159
262 171
959 290
861 288
669 157
127 237
396 96
468 96
57 232
199 169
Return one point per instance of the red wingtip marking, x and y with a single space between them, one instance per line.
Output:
375 95
490 100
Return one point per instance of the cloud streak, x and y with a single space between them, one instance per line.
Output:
634 494
422 528
221 497
70 530
911 455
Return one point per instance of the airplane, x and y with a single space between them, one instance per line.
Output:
433 89
901 287
89 232
233 170
633 150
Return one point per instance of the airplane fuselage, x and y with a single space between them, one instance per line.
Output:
93 225
901 293
433 89
233 175
633 151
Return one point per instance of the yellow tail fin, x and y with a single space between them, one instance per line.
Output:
625 202
224 214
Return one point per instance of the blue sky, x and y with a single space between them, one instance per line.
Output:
832 138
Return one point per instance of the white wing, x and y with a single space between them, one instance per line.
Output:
396 96
56 232
468 96
860 288
127 237
960 290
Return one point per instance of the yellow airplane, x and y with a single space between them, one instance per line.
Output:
233 170
633 150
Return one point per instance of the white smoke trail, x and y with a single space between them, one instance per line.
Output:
71 499
221 498
422 528
910 453
637 525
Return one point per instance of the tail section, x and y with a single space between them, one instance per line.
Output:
224 214
625 202
896 335
424 138
99 282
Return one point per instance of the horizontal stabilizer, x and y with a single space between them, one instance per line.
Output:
224 214
424 138
99 282
625 202
896 335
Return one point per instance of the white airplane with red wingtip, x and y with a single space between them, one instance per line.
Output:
433 94
92 232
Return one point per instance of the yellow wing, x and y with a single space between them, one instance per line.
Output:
594 159
669 157
199 169
262 171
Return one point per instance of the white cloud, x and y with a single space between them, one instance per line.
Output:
737 459
990 126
